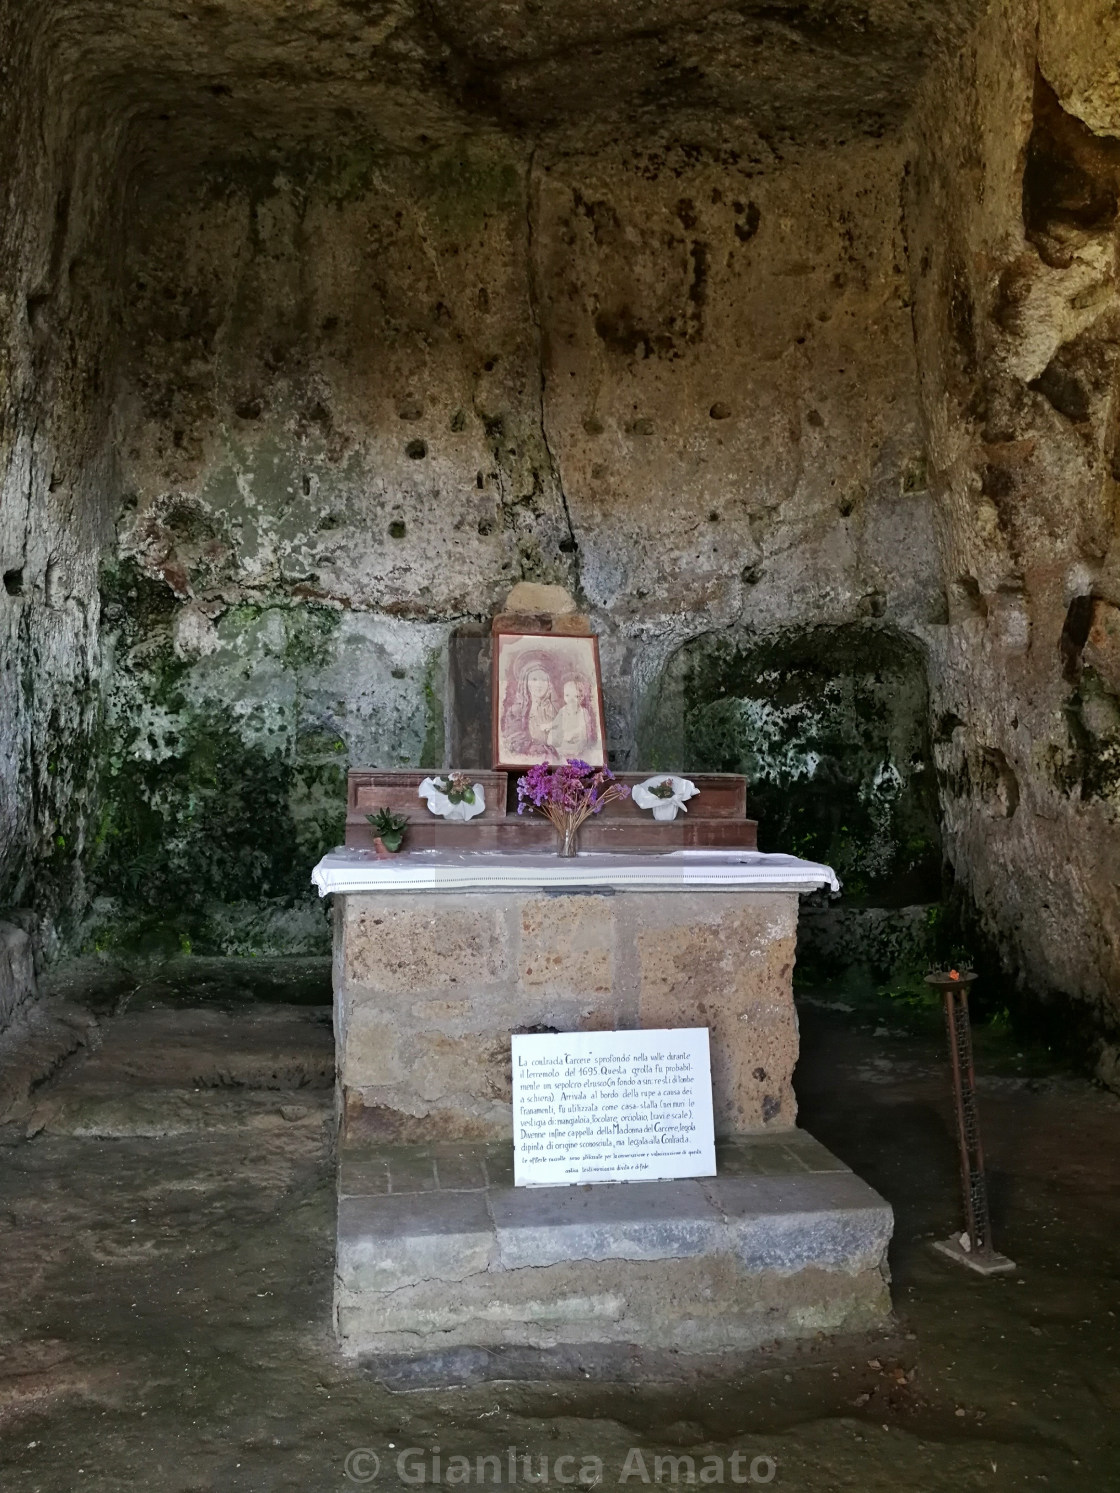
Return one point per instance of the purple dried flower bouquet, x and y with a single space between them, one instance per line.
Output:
568 795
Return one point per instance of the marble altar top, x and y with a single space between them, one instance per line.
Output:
351 870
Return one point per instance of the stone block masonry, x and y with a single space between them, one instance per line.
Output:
437 1250
429 986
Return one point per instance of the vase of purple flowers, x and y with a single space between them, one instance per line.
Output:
568 795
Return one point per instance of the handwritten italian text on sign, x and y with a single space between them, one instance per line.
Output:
612 1107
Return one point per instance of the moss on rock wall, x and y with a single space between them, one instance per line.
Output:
830 727
226 745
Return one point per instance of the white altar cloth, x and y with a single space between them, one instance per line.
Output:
348 870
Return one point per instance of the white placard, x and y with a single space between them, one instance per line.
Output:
612 1107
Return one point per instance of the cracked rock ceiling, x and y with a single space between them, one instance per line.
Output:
213 77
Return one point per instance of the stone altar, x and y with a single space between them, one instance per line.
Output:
439 957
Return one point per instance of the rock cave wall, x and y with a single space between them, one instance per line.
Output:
1012 231
59 254
358 403
775 336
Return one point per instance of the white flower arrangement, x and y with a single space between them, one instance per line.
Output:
664 793
453 797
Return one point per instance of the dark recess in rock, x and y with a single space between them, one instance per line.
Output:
1064 392
698 289
416 450
968 589
618 331
1012 290
998 782
1071 175
747 229
961 313
13 582
947 724
1075 634
996 481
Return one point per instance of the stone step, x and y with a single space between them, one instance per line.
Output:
437 1249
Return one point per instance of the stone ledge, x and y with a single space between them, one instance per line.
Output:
387 1242
706 1304
628 1221
442 1251
830 1221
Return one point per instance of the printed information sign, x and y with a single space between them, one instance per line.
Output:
612 1107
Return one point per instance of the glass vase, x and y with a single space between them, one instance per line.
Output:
568 833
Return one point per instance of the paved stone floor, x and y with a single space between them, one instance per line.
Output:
166 1235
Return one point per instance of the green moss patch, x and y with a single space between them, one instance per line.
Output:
212 799
830 726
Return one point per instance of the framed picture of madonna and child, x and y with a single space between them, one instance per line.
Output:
548 699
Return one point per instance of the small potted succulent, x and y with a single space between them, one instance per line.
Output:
664 794
568 795
388 830
453 796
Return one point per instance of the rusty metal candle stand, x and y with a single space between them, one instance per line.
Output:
973 1247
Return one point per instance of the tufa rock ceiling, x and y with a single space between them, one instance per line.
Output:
210 76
